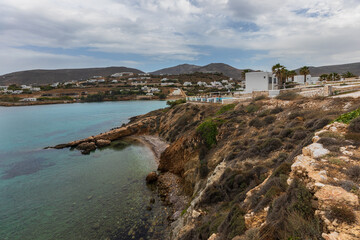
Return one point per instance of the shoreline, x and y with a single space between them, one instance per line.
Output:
154 143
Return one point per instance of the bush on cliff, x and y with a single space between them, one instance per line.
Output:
347 117
287 96
226 108
208 132
176 102
355 125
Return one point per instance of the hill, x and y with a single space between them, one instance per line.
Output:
210 68
59 75
342 68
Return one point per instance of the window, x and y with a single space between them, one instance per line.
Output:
270 80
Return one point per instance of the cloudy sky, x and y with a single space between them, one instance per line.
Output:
152 34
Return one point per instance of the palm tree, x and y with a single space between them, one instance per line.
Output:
348 75
277 69
304 71
291 74
333 76
323 77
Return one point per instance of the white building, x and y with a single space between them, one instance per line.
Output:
25 87
176 92
154 90
121 74
224 81
35 89
114 81
201 84
260 81
167 84
28 100
3 87
164 79
186 84
55 85
309 79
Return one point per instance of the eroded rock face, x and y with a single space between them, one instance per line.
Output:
86 147
102 143
151 177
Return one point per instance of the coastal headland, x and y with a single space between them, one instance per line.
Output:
259 169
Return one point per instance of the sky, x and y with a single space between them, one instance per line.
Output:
154 34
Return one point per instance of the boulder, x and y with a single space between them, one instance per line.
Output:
315 150
86 147
102 143
151 177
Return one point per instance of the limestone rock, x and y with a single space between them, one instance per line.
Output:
151 177
315 150
102 142
86 147
336 194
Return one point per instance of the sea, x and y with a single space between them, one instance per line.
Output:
62 194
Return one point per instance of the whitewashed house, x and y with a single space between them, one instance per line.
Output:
55 85
164 79
186 84
260 81
25 87
114 81
200 84
35 89
224 81
154 90
309 79
28 100
176 92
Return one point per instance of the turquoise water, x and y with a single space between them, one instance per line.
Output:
61 194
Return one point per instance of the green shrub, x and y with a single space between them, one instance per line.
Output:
263 113
288 95
353 136
261 97
251 108
342 213
226 108
347 117
176 102
355 125
256 122
270 145
330 134
234 224
269 119
208 132
276 110
354 173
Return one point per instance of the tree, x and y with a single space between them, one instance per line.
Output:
304 71
323 77
243 73
291 74
278 69
333 77
348 75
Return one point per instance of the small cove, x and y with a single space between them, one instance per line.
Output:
61 194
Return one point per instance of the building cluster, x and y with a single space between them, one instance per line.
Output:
224 84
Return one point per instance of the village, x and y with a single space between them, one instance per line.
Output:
195 87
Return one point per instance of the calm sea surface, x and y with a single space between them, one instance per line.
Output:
61 194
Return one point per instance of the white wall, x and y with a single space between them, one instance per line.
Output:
258 81
300 79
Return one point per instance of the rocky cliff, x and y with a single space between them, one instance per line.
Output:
266 169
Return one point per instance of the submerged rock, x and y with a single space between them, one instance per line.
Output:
86 147
151 177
